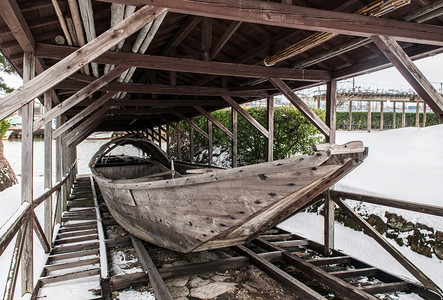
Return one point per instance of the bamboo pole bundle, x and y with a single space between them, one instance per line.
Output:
141 45
61 19
374 9
87 15
117 15
78 27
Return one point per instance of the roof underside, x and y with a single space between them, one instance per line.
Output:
161 87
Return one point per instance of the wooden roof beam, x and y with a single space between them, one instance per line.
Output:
84 129
165 89
156 102
225 38
73 62
392 50
293 16
190 65
192 124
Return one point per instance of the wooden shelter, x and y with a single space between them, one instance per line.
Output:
138 65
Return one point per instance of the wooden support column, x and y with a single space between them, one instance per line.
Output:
369 119
179 141
417 114
58 170
209 142
393 51
270 119
27 263
382 120
168 141
394 115
191 145
350 115
424 114
403 115
234 137
331 106
48 169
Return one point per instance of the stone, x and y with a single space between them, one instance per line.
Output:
395 221
438 250
197 282
181 298
212 290
439 236
376 221
418 243
399 241
219 278
181 281
408 226
259 284
178 291
424 227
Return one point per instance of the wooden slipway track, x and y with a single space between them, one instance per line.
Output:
78 259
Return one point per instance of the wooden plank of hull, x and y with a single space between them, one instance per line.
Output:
215 210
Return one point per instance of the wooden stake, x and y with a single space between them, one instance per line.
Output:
424 114
369 119
403 115
382 121
350 115
191 145
394 115
417 114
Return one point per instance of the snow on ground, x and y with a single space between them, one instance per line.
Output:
404 164
363 247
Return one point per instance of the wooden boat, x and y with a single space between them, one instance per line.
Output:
199 207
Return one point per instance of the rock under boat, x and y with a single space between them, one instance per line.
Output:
189 207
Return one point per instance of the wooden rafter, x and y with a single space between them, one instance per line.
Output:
81 115
225 38
300 17
214 120
78 97
192 124
304 109
246 115
392 50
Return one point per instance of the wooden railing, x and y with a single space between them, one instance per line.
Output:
16 225
338 196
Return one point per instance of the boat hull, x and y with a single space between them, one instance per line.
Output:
223 208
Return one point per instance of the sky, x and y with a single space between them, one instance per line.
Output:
431 67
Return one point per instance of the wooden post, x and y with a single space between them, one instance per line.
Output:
179 141
394 115
234 137
27 263
58 170
331 106
382 120
369 119
168 141
424 114
417 114
48 169
403 115
209 142
270 119
191 145
350 115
